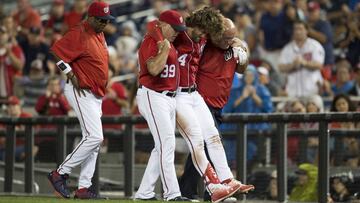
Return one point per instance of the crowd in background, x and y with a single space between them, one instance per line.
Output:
327 64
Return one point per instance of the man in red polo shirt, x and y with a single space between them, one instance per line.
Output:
82 55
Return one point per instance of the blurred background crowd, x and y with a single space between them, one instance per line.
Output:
327 78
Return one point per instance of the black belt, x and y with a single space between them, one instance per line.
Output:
166 92
189 89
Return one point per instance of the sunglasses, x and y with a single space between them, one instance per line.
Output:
102 20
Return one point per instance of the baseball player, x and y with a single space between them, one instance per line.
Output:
159 78
222 56
189 45
82 55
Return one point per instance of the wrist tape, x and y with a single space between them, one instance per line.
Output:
64 67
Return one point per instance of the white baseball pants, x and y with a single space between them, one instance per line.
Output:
88 111
159 112
193 118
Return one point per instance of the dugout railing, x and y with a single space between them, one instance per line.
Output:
280 134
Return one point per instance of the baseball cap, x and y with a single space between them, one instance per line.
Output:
313 5
100 10
263 71
174 19
13 100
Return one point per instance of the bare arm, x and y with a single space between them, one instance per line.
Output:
319 36
156 64
15 61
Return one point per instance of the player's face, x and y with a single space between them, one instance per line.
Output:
168 32
98 24
226 40
196 34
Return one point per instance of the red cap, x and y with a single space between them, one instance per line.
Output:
13 100
100 10
313 6
173 18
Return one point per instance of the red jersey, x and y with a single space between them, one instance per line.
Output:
86 52
52 106
189 54
215 75
8 72
168 78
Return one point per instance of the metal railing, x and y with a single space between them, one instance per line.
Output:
281 121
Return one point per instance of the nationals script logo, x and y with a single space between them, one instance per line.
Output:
106 10
228 54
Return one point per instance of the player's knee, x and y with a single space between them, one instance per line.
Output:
213 141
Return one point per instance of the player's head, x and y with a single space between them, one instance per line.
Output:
171 23
225 40
204 21
99 15
300 30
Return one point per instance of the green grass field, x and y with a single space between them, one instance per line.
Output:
22 199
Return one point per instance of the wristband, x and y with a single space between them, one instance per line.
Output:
64 67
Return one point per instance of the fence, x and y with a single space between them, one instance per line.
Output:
281 121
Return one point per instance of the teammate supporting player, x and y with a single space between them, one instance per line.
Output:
159 75
82 55
222 56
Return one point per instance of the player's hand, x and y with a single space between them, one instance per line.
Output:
75 82
154 30
164 45
240 55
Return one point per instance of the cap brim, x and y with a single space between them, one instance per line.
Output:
108 17
179 28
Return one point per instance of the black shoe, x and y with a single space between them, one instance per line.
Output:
87 193
149 199
180 199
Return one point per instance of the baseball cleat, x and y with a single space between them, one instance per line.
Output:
243 188
87 193
220 192
58 182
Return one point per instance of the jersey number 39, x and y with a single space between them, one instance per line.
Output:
169 71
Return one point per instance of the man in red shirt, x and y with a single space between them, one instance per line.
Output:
12 61
82 55
222 56
158 77
53 102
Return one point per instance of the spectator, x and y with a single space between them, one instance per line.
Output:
273 189
228 8
343 84
14 110
355 90
305 189
265 80
340 187
76 15
277 82
31 87
11 63
54 27
352 39
246 31
252 97
26 16
12 29
321 31
342 103
53 102
314 104
302 59
271 33
114 101
34 48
